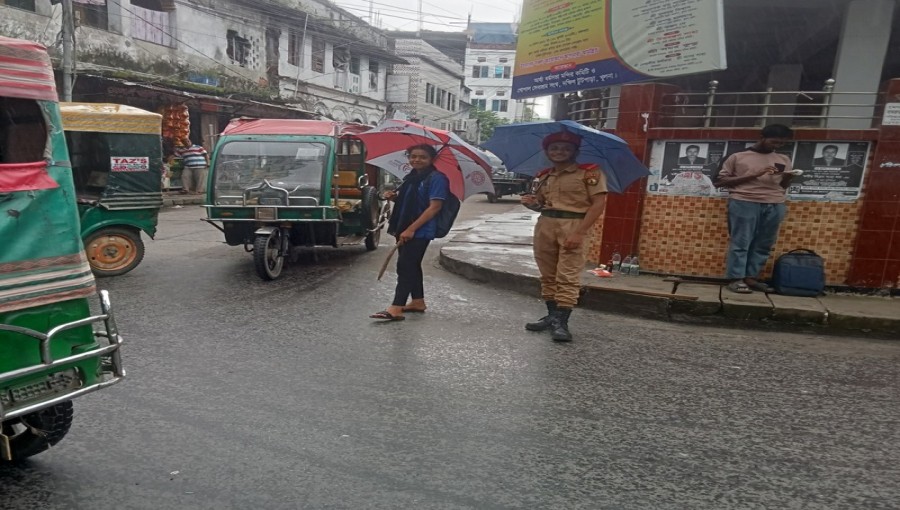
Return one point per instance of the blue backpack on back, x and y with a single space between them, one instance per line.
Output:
799 273
447 215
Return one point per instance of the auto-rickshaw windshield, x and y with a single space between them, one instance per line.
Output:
295 166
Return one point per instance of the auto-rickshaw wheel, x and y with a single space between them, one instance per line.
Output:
267 257
33 433
114 251
373 239
369 207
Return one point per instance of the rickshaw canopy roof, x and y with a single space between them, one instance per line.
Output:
25 70
109 118
245 126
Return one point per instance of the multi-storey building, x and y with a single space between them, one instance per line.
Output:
429 89
222 58
489 64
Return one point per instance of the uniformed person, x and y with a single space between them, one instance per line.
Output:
570 198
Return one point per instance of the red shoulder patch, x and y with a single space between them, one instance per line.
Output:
543 173
589 166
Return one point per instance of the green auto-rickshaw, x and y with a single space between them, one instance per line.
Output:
117 165
58 338
276 185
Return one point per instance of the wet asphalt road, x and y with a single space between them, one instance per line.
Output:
284 395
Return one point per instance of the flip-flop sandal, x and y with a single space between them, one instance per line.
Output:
739 288
385 315
762 287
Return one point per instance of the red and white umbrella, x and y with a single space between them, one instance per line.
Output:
464 165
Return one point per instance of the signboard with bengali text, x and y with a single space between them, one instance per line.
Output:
571 45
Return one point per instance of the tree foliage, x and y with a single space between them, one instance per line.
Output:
487 122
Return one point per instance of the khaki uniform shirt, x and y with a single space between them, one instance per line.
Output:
570 189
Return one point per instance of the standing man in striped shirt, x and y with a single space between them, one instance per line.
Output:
196 166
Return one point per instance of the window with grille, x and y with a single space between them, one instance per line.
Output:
318 55
91 13
480 71
295 48
373 75
238 48
499 105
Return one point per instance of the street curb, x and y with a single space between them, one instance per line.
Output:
706 313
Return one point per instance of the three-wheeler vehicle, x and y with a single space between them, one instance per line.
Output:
58 338
117 165
277 185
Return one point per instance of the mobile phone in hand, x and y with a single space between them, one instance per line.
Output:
779 166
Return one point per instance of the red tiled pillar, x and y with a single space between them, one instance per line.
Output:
622 219
876 254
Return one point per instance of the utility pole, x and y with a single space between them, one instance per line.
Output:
68 43
420 18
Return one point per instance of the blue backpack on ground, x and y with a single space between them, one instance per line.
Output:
447 215
799 273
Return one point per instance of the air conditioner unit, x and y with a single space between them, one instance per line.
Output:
354 83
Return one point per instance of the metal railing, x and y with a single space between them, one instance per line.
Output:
600 112
715 108
599 108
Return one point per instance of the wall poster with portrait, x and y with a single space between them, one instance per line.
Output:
832 171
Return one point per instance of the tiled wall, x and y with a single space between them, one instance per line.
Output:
595 241
689 235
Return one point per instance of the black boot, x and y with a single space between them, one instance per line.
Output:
560 325
543 324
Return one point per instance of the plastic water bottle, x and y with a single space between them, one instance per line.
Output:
616 262
626 265
635 267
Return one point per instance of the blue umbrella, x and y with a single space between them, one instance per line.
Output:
519 146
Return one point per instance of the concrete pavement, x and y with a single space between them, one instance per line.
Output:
175 198
499 251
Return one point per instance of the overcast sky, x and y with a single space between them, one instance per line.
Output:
437 14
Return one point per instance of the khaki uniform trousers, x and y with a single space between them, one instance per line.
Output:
560 268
